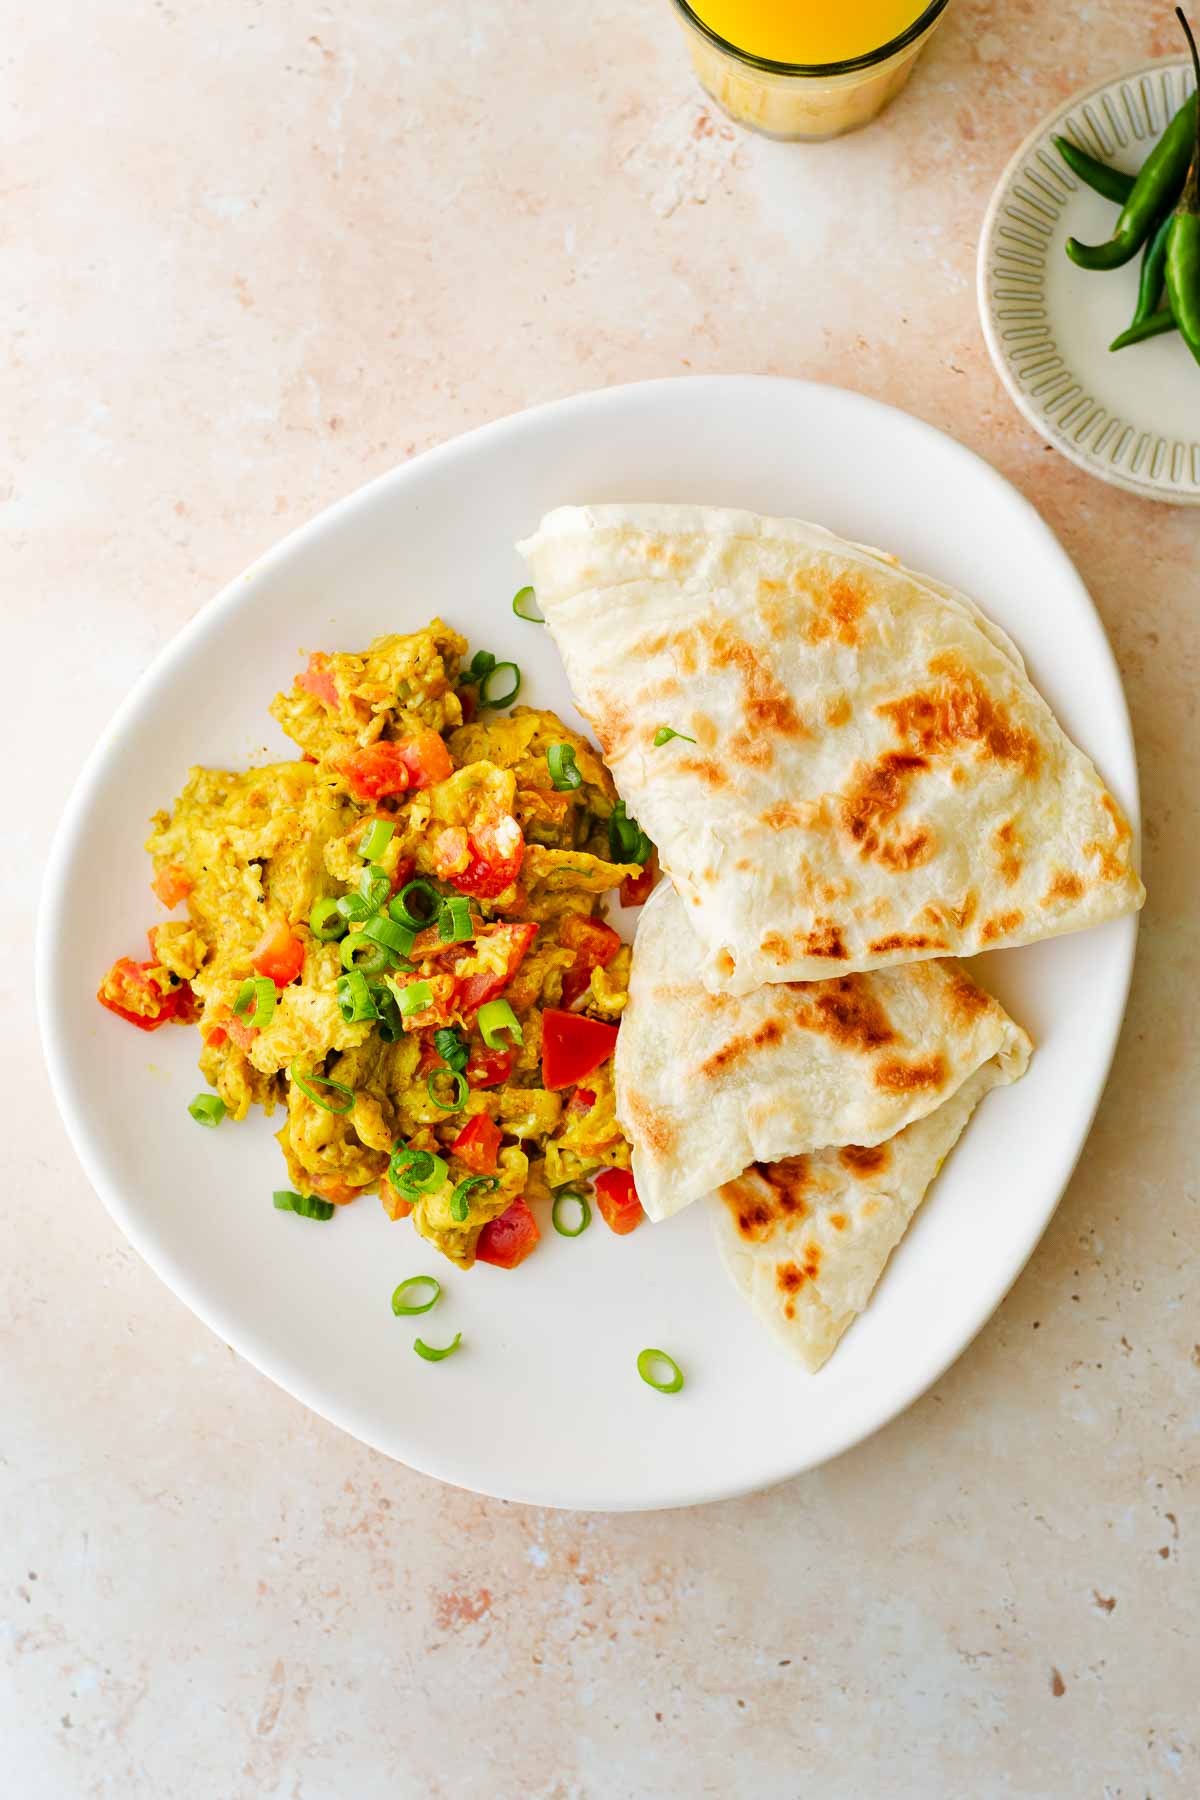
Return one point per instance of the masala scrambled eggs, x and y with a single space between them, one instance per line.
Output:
395 938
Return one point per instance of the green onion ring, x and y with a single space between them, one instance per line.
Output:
526 607
255 1002
307 1081
664 734
353 908
461 1090
377 959
432 1355
354 998
389 1024
398 939
482 663
326 922
460 1206
374 885
403 1309
564 770
207 1109
486 696
401 907
585 1212
307 1205
648 1363
415 1172
415 997
496 1016
454 920
376 840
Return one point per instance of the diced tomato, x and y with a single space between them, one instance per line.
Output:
430 1060
279 955
317 681
489 1068
581 1101
618 1201
514 941
495 852
388 767
172 884
338 1193
403 872
572 1046
241 1035
469 700
394 1204
426 759
508 1240
637 889
129 991
477 1144
187 1007
595 944
215 1035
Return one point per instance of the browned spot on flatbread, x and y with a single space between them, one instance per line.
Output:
754 1218
725 962
877 794
681 646
896 1077
900 940
649 1127
744 1044
967 1001
1063 886
787 1180
848 1012
838 617
751 750
1006 842
838 1221
777 947
1121 828
709 771
865 1159
837 711
767 703
825 941
1000 925
791 815
956 712
790 1277
612 725
906 853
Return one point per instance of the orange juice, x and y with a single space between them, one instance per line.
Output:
809 31
806 68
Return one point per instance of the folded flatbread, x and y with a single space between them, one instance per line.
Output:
806 1240
873 777
708 1084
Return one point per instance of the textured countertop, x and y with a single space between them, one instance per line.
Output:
255 253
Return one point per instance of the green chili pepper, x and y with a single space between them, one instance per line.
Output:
1114 184
1183 239
1162 175
1154 326
1154 268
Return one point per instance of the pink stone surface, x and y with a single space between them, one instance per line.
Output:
253 254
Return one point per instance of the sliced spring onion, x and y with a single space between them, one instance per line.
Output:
415 997
496 675
374 885
255 1001
564 770
308 1083
627 842
207 1109
354 998
405 911
496 1016
574 1224
652 1366
404 1301
414 1172
361 952
458 1086
460 1199
307 1205
389 1024
376 840
399 939
431 1354
664 734
454 920
353 908
450 1047
325 921
482 663
526 607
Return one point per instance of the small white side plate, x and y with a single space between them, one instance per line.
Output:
1131 417
544 1403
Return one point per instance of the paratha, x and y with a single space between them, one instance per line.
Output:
863 773
708 1084
806 1240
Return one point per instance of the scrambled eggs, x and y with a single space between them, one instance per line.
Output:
396 940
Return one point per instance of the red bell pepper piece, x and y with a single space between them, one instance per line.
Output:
508 1240
618 1201
572 1046
278 954
514 940
129 991
477 1144
489 1068
637 889
595 944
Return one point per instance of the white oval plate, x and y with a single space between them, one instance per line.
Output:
1130 417
543 1403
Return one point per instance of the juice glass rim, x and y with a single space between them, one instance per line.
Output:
847 66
